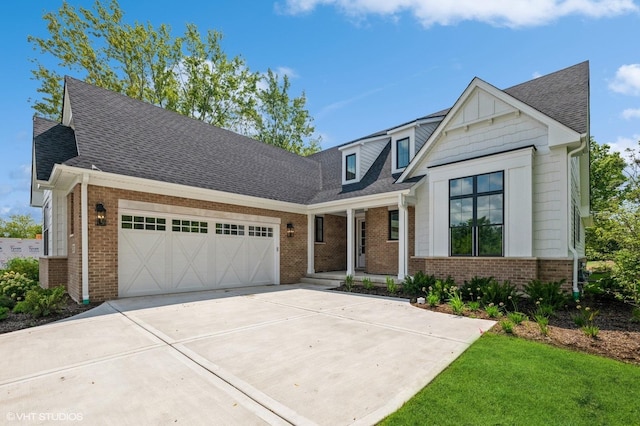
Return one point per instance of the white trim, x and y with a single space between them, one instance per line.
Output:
350 245
415 123
311 242
84 217
142 206
360 142
113 180
403 237
356 203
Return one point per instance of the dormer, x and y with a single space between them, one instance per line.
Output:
407 140
358 156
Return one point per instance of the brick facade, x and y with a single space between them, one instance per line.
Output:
382 253
103 240
53 272
331 255
516 270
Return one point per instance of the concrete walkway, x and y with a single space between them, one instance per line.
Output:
262 355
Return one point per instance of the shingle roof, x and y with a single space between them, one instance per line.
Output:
562 95
53 143
121 135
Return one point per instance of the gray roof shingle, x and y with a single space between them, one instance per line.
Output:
53 144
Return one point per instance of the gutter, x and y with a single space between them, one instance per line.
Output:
572 249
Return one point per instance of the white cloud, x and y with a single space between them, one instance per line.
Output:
512 13
627 80
289 72
622 143
630 113
536 74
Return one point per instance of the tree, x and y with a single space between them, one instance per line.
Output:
19 226
190 74
284 122
607 194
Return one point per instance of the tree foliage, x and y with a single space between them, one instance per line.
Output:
189 74
19 226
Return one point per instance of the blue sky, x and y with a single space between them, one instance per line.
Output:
366 65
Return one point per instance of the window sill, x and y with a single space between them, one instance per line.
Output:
392 241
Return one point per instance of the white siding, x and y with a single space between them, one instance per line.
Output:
47 218
58 223
550 206
423 132
422 219
368 153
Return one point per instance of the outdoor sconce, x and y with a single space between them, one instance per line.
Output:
101 215
290 230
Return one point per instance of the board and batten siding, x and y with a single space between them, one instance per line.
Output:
54 212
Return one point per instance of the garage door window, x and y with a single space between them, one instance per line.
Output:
144 223
194 226
260 231
229 229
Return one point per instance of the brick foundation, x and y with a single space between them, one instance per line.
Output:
53 272
518 271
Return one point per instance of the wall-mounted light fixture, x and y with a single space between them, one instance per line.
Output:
101 215
290 230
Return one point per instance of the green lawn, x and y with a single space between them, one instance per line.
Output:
503 380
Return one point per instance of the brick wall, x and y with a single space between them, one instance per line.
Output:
331 255
517 271
53 272
103 240
382 254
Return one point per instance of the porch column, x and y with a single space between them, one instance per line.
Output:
403 237
311 220
350 249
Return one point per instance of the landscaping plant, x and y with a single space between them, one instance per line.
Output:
3 313
348 282
547 293
392 287
507 326
367 284
15 285
455 301
40 302
517 317
27 266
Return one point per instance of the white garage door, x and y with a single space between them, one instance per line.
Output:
160 254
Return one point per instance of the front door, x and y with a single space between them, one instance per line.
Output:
362 240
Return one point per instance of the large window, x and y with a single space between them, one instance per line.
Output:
402 153
394 225
476 215
319 229
350 167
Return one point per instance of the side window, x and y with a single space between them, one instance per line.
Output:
319 229
402 153
350 167
394 225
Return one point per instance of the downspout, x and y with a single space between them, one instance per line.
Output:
84 206
572 249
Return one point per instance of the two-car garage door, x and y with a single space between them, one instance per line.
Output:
167 253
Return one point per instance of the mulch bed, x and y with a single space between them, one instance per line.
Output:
618 338
15 322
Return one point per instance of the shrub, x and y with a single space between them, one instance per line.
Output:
3 313
15 285
547 293
6 302
507 326
543 323
40 302
413 285
367 284
590 330
474 289
498 293
348 282
474 306
24 265
517 317
456 302
433 299
492 310
392 287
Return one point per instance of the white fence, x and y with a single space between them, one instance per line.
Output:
17 247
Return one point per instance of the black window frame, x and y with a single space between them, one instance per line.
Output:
319 226
475 228
347 174
397 218
407 140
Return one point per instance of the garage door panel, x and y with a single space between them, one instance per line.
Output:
261 264
139 253
189 262
231 261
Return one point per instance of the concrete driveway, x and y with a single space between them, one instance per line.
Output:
262 355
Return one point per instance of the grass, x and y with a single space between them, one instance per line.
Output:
511 381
